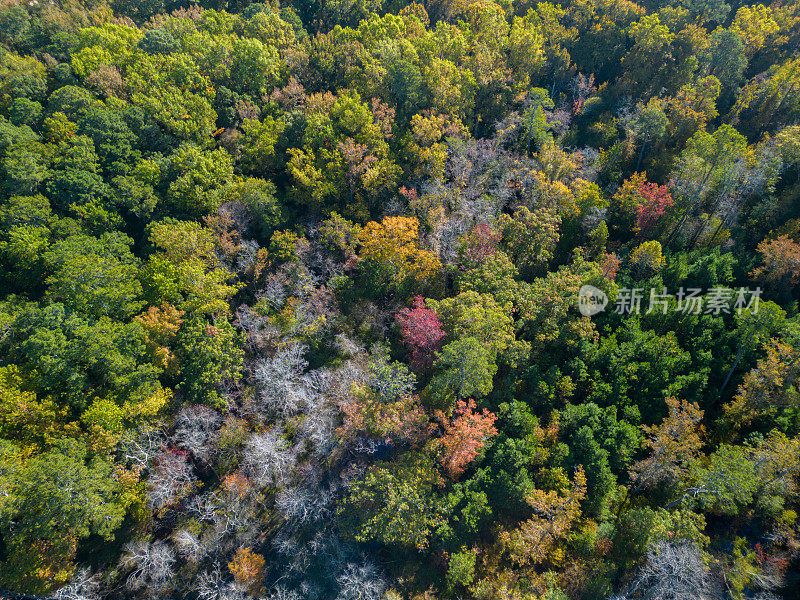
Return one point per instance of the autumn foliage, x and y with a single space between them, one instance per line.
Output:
772 384
554 516
391 248
656 199
479 245
247 569
161 324
290 299
673 444
421 332
781 258
465 436
401 421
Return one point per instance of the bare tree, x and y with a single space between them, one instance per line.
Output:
212 586
278 379
195 428
317 383
275 289
589 163
305 504
559 119
283 593
446 237
290 280
582 87
246 256
261 332
348 346
169 478
268 458
140 447
150 564
319 427
204 506
230 510
189 545
321 415
84 586
673 571
316 311
361 582
237 503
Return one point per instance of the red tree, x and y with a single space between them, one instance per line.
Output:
421 331
609 265
656 201
465 436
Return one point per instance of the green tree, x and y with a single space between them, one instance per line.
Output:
344 164
26 223
76 187
96 276
255 67
113 139
727 483
184 270
707 159
24 170
25 112
75 359
159 41
496 276
465 368
394 506
461 569
727 60
529 238
52 501
636 369
210 353
195 177
650 125
258 144
708 11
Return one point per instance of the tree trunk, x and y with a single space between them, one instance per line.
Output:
742 347
641 153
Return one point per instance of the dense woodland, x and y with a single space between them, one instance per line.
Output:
290 299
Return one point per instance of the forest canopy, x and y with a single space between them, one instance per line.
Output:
391 300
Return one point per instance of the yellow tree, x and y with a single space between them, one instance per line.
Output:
772 384
554 515
624 208
647 258
776 461
391 256
781 258
185 270
24 418
247 569
693 106
161 325
674 445
756 26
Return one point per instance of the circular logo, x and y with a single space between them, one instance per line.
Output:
591 300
